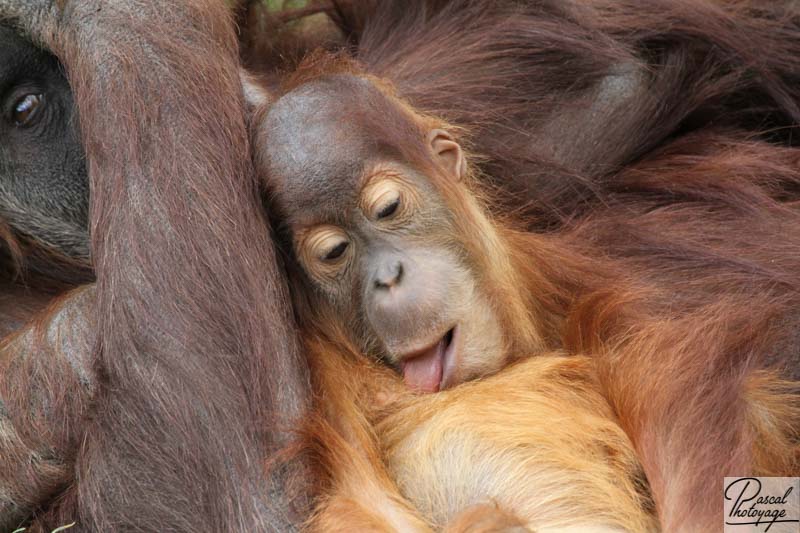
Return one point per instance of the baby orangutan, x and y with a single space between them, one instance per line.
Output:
393 256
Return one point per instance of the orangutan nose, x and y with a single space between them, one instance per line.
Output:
389 273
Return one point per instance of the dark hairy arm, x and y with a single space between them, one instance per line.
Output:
200 375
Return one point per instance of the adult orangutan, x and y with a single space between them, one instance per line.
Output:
687 308
44 200
150 400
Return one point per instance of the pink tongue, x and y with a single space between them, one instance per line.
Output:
424 372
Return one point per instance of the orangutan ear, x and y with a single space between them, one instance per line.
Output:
449 153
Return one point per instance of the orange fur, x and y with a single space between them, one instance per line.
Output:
534 446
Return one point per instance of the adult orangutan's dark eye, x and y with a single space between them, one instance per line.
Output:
26 109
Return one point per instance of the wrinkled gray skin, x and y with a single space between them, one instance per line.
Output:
44 188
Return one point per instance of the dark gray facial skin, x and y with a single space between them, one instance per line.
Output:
372 233
44 187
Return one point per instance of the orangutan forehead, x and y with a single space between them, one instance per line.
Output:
308 133
318 145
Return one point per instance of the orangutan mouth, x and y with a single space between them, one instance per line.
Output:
429 369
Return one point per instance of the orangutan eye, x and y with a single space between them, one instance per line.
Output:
324 249
26 109
387 199
389 209
337 251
